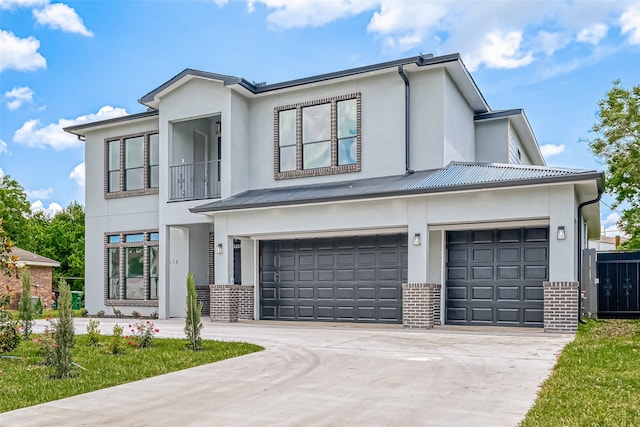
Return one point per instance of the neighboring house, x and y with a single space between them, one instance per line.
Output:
388 193
41 271
607 243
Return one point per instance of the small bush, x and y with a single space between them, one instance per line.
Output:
116 344
141 334
193 325
154 315
25 308
84 312
9 335
135 314
100 313
93 332
64 334
38 309
46 344
117 313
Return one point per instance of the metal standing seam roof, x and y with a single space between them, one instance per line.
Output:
456 176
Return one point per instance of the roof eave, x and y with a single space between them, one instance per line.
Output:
81 129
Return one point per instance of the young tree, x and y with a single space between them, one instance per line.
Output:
617 144
25 308
193 325
64 334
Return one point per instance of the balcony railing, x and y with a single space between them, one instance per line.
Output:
194 181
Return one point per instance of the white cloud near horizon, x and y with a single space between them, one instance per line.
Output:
34 134
630 23
60 16
549 150
77 174
501 34
52 210
20 54
43 193
18 96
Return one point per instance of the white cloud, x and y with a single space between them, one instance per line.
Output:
611 219
20 54
18 96
77 174
59 16
52 210
500 50
592 34
43 193
314 13
630 23
3 147
221 3
549 150
549 42
34 134
13 4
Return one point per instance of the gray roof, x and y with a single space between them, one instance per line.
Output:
456 176
30 258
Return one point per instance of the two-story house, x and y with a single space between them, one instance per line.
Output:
388 193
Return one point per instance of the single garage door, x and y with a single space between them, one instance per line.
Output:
494 277
354 279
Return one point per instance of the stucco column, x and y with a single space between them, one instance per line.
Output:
165 271
224 260
418 253
562 253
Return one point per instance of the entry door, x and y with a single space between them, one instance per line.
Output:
200 164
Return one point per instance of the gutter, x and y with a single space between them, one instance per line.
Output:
580 206
407 120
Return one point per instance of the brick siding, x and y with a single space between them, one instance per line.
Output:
204 296
437 304
224 303
41 286
245 302
418 305
560 307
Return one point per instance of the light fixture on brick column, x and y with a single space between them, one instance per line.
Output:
219 248
417 241
561 235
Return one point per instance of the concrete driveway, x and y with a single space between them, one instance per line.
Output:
327 375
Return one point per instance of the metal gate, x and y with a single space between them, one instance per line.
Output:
618 283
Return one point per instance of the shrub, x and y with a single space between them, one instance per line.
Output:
116 345
153 315
84 312
93 332
141 334
9 336
46 342
135 314
64 334
38 308
100 313
117 313
193 323
25 308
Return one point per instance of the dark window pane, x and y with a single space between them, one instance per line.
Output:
153 271
287 127
134 273
347 151
288 158
113 288
134 179
316 155
316 123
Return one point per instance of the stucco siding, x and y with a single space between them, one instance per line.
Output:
492 138
459 133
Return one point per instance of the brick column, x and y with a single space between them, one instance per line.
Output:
417 305
437 304
245 302
560 307
204 296
224 303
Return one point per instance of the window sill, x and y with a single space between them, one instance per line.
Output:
329 170
131 302
131 193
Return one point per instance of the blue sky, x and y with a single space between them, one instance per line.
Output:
72 62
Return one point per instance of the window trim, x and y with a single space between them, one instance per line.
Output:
121 192
334 168
123 245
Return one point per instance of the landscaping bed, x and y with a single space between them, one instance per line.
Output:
596 381
26 381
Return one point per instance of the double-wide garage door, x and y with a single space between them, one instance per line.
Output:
356 279
494 277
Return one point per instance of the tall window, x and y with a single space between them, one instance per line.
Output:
132 165
318 138
132 261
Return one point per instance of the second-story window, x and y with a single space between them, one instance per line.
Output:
318 138
132 164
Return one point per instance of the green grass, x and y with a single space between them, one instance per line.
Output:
46 314
596 381
25 381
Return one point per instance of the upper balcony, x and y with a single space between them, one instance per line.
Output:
194 181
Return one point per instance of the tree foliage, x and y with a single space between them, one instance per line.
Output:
64 333
193 324
25 309
14 208
617 144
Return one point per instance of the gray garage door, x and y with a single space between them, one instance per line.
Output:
355 279
494 277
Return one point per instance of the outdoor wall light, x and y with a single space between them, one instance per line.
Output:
417 241
561 234
219 248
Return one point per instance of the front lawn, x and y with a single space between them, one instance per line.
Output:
596 381
26 381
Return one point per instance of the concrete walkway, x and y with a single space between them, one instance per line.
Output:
327 375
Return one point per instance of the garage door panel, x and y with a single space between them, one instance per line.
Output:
286 312
325 312
345 294
305 260
389 293
346 275
326 260
325 275
366 275
305 293
285 293
305 275
366 258
287 276
366 293
391 314
482 272
287 260
306 312
367 313
269 312
345 313
504 290
346 260
388 274
482 293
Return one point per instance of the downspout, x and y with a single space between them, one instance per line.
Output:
407 120
580 206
